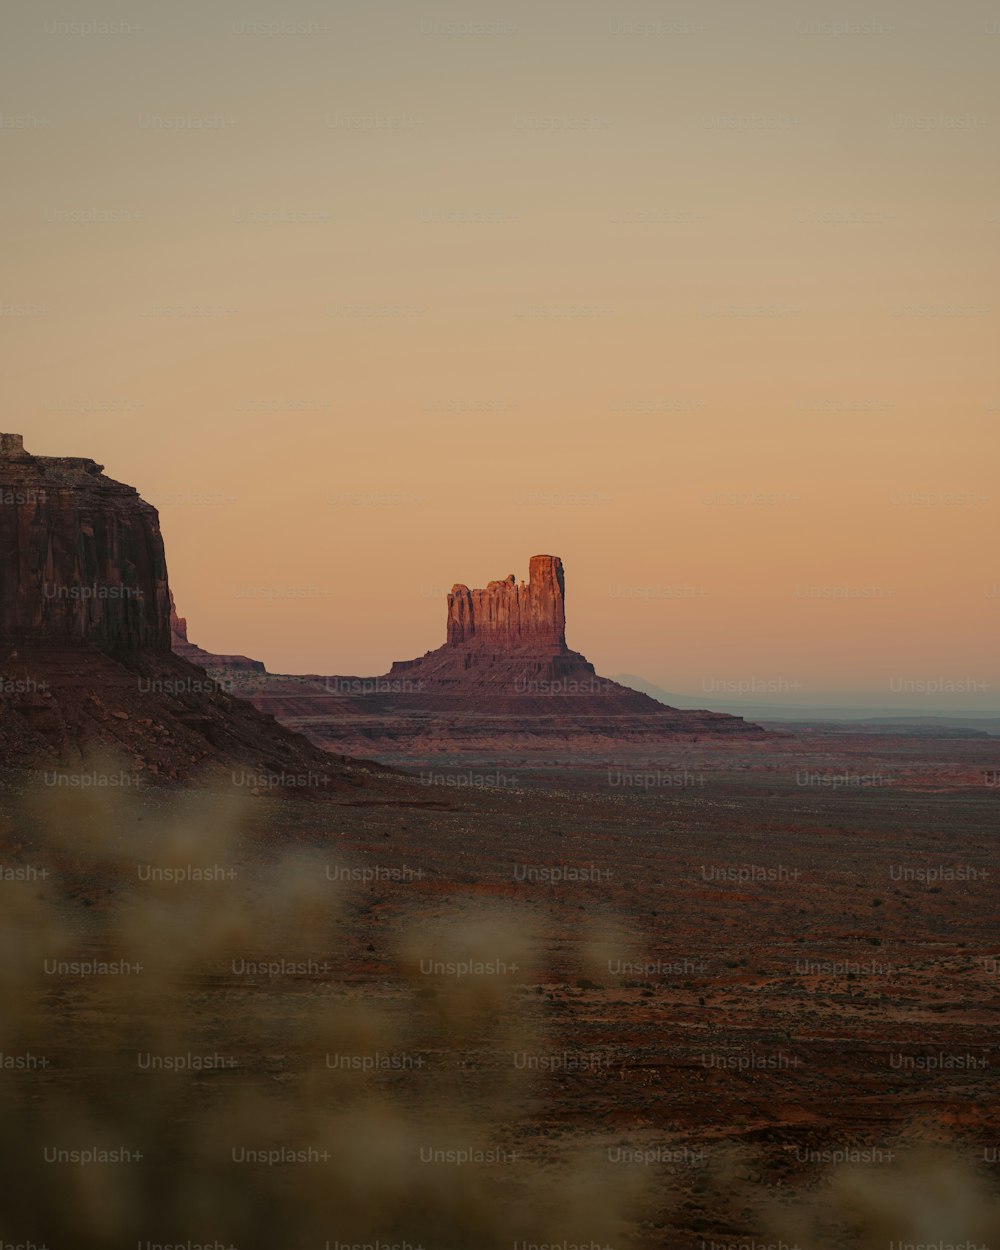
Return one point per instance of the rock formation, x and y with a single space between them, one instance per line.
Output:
511 617
178 629
504 679
86 667
81 557
93 652
509 637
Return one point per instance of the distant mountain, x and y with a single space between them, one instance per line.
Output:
864 719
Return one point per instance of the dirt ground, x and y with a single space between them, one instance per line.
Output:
654 998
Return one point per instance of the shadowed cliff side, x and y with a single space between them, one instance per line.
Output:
86 667
81 556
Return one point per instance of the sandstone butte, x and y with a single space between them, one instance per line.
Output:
87 669
504 678
81 556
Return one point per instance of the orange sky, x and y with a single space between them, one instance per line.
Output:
711 313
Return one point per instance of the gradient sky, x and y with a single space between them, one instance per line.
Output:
702 298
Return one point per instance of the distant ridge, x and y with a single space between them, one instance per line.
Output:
901 720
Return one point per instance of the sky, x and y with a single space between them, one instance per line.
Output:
369 300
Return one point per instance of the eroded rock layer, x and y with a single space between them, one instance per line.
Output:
504 680
509 616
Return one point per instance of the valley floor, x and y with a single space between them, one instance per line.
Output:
651 997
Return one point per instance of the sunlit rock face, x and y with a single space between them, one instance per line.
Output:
513 615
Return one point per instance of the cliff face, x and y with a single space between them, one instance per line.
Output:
85 658
81 556
512 617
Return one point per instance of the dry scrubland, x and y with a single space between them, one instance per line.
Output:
443 1045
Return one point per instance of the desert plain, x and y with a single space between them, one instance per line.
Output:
687 996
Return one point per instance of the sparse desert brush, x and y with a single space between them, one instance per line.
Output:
185 1085
934 1196
31 932
606 947
466 965
83 809
191 1055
